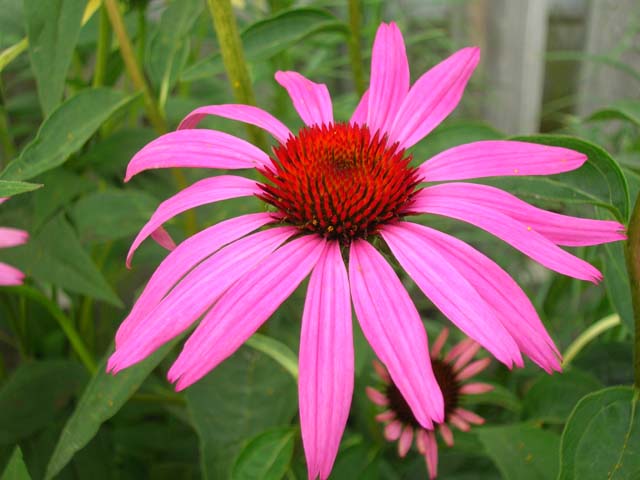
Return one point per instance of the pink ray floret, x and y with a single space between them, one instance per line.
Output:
11 237
333 190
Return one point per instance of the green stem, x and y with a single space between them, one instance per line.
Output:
142 34
224 23
65 323
632 252
587 336
355 53
104 47
133 69
8 146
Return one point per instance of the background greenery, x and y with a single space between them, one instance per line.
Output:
72 114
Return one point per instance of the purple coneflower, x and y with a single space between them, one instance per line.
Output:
11 237
452 372
334 189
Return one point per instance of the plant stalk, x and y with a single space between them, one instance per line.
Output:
632 253
104 46
226 28
355 53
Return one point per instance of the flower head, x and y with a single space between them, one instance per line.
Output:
452 372
333 188
11 237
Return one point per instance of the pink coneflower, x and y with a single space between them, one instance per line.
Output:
452 372
334 190
11 237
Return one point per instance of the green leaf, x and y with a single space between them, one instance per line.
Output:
267 37
10 188
112 214
62 187
521 451
35 395
101 400
608 361
277 350
500 396
266 456
627 110
65 132
552 397
598 182
55 255
245 395
16 469
616 282
602 437
52 28
168 48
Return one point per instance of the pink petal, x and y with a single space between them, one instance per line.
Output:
475 388
438 201
381 371
431 454
162 237
449 290
242 113
392 325
311 100
392 431
421 440
470 417
325 386
197 148
389 78
447 434
466 356
433 97
12 237
459 347
560 229
377 397
244 307
209 190
10 276
459 423
195 293
436 348
497 158
510 304
473 369
188 254
406 439
386 416
359 116
3 199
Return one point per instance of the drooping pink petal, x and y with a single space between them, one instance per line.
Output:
162 237
244 307
421 441
459 423
469 416
560 229
497 158
406 439
12 237
197 148
510 304
209 190
381 371
473 369
311 100
393 430
436 348
359 116
450 291
389 78
386 416
475 388
242 113
433 97
431 454
3 199
377 397
459 347
447 434
436 200
10 276
325 385
466 356
186 255
392 325
195 293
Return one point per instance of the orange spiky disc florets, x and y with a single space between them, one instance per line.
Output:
339 180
